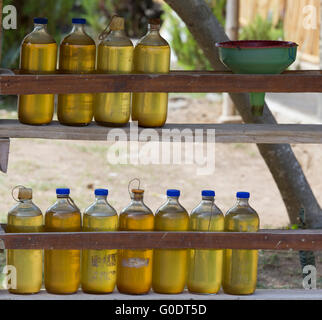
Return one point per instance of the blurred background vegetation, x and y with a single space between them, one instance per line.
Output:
136 14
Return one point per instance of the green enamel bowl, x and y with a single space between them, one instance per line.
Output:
257 57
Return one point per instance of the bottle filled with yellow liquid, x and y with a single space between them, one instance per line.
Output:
23 218
115 55
77 54
38 55
62 267
151 55
134 267
240 266
98 274
205 266
170 266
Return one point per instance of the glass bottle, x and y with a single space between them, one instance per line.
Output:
205 266
240 266
38 55
99 266
62 267
77 54
25 217
170 266
151 55
134 267
115 55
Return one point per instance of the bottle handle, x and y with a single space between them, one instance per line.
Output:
129 185
13 189
73 203
106 31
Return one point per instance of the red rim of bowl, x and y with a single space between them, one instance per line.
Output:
256 44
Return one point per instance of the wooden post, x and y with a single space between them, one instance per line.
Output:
320 95
229 113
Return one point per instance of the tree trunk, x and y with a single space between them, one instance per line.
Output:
280 159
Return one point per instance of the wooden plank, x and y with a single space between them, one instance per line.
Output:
260 294
265 239
309 81
221 133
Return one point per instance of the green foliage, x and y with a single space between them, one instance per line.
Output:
190 55
262 29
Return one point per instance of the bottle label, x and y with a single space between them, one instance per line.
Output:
135 262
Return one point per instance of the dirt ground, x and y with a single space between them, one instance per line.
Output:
45 165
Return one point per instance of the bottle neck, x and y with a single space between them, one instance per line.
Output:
208 200
242 202
40 27
78 28
101 199
26 201
137 197
153 28
117 33
173 200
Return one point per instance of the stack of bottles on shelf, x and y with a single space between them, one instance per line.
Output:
77 55
166 271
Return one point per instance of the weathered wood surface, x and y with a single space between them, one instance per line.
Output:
260 294
224 133
265 239
176 81
4 154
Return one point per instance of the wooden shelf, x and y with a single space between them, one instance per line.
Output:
260 294
175 81
224 133
264 239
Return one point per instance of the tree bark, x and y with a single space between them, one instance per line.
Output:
280 159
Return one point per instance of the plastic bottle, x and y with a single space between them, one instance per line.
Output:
62 267
151 55
205 266
25 217
134 267
77 55
240 266
170 266
99 266
38 55
115 55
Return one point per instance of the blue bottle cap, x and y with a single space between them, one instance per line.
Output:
173 193
208 193
101 192
78 21
62 191
243 195
40 20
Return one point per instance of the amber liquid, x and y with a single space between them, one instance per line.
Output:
76 109
113 108
62 267
134 267
150 109
205 266
38 59
99 266
28 263
170 266
240 266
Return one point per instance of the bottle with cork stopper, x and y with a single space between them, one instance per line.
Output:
25 217
115 55
134 272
